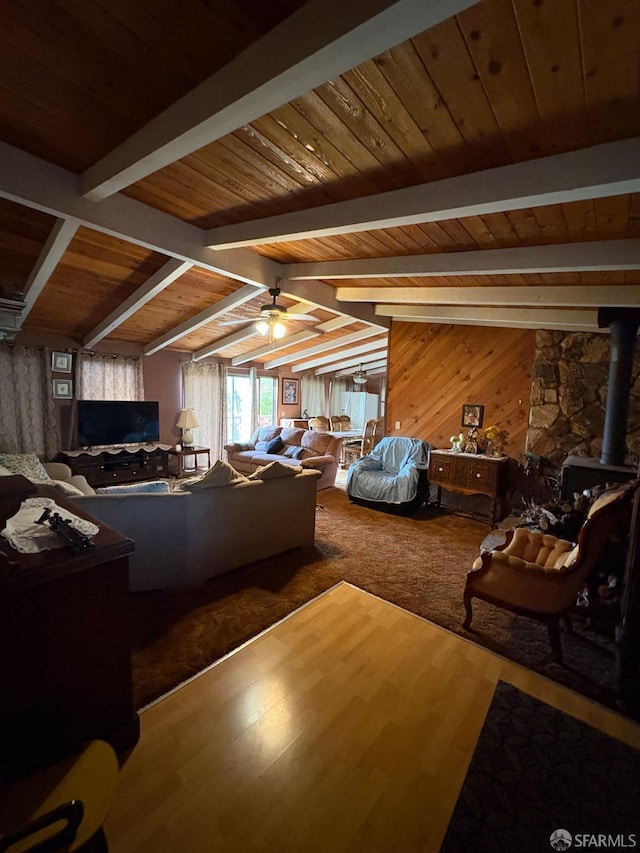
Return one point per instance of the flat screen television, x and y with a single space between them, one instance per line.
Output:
102 422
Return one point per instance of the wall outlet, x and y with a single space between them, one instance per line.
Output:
397 424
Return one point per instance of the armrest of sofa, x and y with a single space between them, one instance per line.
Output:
239 446
318 462
61 471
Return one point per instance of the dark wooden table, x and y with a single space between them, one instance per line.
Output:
190 451
65 647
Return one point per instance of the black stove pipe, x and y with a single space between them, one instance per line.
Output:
623 326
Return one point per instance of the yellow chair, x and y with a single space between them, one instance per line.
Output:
539 576
62 807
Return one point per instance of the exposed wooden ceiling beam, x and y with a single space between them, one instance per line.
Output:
56 245
585 257
244 294
514 318
156 283
224 343
352 364
351 338
296 338
374 367
324 295
565 296
325 359
317 43
609 169
35 183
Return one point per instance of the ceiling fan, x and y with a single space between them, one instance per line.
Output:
272 318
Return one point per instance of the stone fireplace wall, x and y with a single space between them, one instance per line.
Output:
568 397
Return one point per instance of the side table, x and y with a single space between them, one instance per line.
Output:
190 451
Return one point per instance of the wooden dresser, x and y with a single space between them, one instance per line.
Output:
65 646
469 474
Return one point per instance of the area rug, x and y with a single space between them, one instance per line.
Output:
417 562
542 780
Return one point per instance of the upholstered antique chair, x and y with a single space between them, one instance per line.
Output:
539 576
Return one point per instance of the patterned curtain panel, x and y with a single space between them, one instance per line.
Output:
313 396
28 422
205 391
102 376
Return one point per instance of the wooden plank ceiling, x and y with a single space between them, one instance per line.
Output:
158 172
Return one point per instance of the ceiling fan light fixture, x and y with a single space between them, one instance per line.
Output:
278 329
262 326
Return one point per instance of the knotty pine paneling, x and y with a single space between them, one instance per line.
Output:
435 369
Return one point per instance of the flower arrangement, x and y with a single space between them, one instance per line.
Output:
496 437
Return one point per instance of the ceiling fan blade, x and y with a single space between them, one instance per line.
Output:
300 317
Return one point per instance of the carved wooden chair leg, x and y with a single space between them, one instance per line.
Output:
553 628
467 606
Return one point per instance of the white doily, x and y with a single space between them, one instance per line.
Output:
23 534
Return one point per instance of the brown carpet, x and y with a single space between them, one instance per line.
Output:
418 562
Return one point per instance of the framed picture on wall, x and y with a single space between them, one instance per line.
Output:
290 392
472 415
62 389
61 362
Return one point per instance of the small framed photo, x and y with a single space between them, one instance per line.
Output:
290 392
472 415
61 362
62 389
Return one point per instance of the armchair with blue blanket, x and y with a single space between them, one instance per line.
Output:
393 475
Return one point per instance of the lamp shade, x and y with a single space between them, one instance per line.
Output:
187 419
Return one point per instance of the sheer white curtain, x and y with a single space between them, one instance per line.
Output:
101 376
28 422
313 395
205 391
338 387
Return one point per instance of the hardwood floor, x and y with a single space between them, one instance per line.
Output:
348 726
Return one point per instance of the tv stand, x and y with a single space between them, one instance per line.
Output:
105 466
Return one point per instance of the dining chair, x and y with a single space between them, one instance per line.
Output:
357 448
320 423
336 422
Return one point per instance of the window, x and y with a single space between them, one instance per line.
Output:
248 393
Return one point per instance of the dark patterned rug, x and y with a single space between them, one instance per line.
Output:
540 779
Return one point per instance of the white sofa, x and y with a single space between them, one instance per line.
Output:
185 537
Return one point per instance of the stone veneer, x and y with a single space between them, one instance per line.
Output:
568 397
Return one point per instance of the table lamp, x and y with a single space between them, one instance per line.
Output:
186 422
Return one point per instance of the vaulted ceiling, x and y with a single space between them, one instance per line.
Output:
163 164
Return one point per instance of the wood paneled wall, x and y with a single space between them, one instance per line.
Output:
435 369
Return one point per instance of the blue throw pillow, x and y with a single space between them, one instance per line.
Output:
135 488
275 445
294 452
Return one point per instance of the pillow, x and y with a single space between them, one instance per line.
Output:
5 472
220 474
67 489
294 452
274 470
159 486
26 464
275 445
